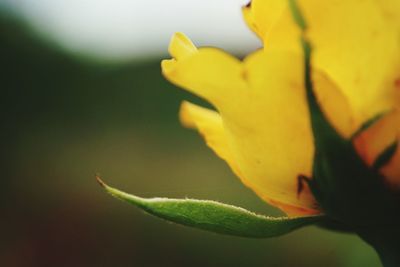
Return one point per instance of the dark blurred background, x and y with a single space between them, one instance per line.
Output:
66 117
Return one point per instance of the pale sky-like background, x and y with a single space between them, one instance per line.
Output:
121 29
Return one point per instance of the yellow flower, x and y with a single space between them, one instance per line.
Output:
261 125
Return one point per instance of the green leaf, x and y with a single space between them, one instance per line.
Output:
214 216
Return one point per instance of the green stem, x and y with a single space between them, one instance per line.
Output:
386 243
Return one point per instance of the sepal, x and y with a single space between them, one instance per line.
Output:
385 156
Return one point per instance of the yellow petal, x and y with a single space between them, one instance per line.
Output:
391 10
261 16
269 131
334 104
292 211
206 72
372 142
358 49
181 47
210 126
272 22
262 104
356 44
248 16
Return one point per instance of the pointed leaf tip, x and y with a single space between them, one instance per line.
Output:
100 181
214 216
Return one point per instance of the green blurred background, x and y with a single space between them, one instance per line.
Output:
67 117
